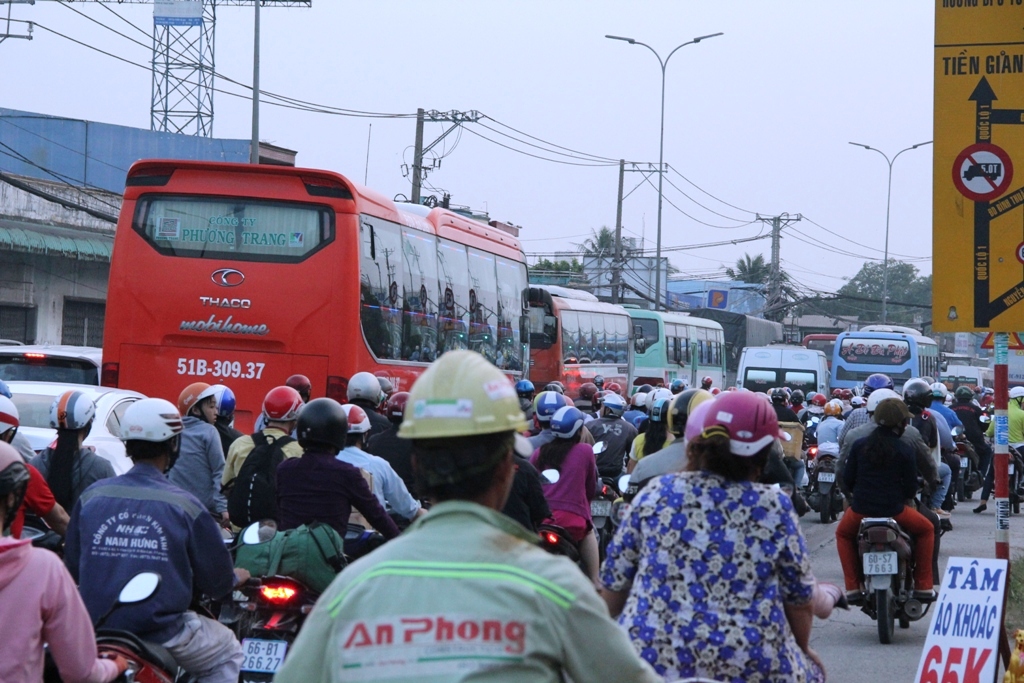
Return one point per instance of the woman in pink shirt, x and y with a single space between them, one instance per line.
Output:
40 603
569 498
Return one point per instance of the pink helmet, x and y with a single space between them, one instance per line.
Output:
749 420
695 423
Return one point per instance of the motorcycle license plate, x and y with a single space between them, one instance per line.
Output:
876 564
963 463
600 508
263 656
826 476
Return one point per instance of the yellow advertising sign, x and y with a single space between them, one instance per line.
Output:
978 205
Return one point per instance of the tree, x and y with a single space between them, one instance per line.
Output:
563 266
865 292
753 270
600 243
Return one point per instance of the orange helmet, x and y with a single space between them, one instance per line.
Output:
834 407
193 394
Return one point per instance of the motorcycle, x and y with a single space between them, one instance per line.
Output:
1015 471
271 610
360 541
824 495
553 538
601 513
886 554
970 479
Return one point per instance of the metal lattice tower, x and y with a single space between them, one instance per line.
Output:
183 66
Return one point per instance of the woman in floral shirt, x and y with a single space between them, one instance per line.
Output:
709 572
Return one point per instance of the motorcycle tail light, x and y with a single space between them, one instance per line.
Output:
550 537
278 594
812 452
604 490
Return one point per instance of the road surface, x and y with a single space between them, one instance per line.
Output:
848 641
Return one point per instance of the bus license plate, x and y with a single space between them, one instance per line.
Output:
963 463
600 508
826 476
876 564
263 656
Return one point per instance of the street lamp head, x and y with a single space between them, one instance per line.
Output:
860 144
921 144
628 40
710 35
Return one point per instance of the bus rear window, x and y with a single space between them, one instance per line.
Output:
233 228
867 351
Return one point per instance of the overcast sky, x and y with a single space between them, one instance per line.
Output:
759 117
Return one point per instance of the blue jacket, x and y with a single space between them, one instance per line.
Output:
140 522
200 464
950 416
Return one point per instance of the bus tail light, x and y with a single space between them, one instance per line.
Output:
109 374
337 388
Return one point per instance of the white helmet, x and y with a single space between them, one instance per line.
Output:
659 393
879 395
358 422
71 410
364 387
939 390
1017 392
151 419
9 417
639 400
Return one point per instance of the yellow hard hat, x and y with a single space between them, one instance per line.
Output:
461 394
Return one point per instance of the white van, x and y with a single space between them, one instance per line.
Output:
781 365
966 375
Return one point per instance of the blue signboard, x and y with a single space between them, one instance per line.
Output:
718 298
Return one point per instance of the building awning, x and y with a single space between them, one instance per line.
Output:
34 238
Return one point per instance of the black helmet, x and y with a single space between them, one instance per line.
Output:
645 389
13 479
964 394
322 422
599 381
876 381
779 396
917 393
797 397
679 410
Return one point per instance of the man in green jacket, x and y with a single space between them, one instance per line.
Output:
465 593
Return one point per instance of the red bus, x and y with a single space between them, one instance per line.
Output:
245 274
574 338
826 343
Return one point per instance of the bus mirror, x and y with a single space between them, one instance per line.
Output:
640 345
638 332
944 365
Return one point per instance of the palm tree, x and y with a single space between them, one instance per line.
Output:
753 270
601 242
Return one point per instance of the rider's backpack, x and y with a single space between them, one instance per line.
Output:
253 494
311 554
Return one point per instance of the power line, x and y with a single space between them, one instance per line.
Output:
844 237
698 187
64 179
535 156
722 215
568 149
697 220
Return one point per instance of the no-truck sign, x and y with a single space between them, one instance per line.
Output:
982 172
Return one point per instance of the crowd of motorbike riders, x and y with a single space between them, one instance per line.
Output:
704 573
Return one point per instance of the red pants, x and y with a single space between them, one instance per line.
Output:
911 521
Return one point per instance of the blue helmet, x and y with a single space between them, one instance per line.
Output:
615 404
225 400
677 386
566 422
525 388
4 389
659 411
876 381
547 404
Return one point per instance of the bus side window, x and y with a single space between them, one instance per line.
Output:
419 328
586 333
453 295
381 291
570 337
621 339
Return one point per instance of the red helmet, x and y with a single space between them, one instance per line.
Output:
715 391
358 422
282 404
845 394
299 383
706 382
395 409
613 387
819 400
749 420
837 393
587 391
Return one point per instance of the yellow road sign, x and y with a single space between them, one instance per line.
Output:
978 205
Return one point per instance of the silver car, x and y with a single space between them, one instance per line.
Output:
33 400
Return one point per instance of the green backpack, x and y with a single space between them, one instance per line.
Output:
311 554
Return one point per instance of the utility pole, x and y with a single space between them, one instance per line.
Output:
617 263
6 33
254 146
456 118
774 297
417 159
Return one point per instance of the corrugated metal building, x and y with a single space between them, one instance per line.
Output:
60 194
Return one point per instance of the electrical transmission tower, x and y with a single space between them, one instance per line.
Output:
184 34
773 305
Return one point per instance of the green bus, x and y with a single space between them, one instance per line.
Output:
676 346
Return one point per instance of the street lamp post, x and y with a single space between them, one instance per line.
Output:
888 201
661 147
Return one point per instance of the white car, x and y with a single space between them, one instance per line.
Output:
33 400
51 363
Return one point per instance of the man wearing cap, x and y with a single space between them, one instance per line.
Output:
465 593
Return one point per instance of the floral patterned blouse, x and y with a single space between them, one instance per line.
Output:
709 564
